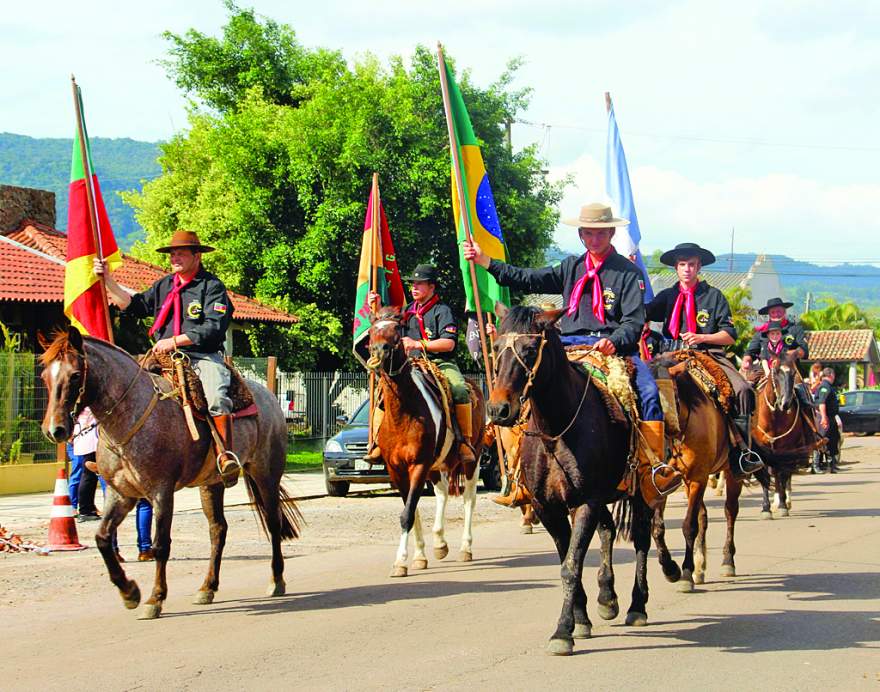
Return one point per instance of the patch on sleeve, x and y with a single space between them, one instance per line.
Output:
220 307
642 284
452 329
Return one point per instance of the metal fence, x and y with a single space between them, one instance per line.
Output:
23 400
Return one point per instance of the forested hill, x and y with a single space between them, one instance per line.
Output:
121 164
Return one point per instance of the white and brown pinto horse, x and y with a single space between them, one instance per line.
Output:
417 444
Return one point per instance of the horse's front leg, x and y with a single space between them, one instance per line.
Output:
607 598
641 534
212 506
584 525
116 508
781 492
420 560
731 510
469 496
700 544
441 499
763 476
163 509
410 495
670 567
689 528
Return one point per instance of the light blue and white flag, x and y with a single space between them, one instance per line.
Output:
617 186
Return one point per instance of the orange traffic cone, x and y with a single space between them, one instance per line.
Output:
62 529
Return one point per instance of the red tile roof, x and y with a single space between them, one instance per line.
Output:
845 345
29 276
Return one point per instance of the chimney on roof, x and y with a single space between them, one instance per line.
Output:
20 203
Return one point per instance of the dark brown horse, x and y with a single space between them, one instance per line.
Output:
700 448
417 445
145 450
781 431
573 456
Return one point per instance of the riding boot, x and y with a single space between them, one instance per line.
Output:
744 461
463 417
229 464
374 454
657 479
833 461
816 465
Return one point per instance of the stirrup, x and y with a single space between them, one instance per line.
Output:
749 455
231 455
654 470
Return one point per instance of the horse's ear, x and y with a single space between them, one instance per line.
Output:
501 310
548 318
43 341
74 338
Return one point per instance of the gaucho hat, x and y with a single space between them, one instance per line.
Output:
595 215
774 303
684 251
774 324
424 272
185 239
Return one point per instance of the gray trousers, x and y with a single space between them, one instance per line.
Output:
215 378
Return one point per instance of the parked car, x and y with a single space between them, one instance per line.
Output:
860 412
344 462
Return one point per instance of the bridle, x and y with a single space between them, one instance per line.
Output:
777 407
375 363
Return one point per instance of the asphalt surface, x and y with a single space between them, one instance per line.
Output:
803 612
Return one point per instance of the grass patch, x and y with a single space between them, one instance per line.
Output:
300 462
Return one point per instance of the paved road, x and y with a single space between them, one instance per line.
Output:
803 613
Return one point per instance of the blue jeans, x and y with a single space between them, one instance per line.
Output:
76 470
646 386
144 519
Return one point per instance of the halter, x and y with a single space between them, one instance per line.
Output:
776 407
374 363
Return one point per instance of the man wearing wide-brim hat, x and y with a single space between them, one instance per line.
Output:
697 315
192 312
793 335
603 306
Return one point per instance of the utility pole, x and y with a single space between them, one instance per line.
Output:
808 300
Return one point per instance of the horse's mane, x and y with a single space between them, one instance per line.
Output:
60 345
519 319
389 312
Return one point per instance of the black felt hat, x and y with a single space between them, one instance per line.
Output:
424 272
685 250
774 303
774 324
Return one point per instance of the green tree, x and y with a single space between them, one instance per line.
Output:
836 316
743 314
279 185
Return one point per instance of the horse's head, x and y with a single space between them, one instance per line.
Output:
64 375
781 380
520 352
386 334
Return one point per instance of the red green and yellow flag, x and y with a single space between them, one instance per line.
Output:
377 258
479 204
83 300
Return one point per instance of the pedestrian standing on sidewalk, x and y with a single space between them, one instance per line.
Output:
828 405
85 444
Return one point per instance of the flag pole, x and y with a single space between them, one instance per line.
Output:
466 218
374 221
90 193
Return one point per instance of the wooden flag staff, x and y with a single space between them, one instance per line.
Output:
374 229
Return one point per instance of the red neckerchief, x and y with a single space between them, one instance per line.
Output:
420 310
591 271
763 328
171 300
686 299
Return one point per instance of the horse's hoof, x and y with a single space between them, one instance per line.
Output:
608 611
398 571
636 619
276 589
582 630
766 515
441 552
560 647
132 598
465 556
419 563
686 583
672 573
727 571
699 577
783 512
204 598
526 529
150 611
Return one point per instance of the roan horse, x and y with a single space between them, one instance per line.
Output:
701 449
784 438
573 456
145 450
411 440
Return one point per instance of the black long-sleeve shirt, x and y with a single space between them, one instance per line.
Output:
793 336
622 287
713 312
439 324
205 305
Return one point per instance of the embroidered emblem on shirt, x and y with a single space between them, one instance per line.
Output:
789 339
194 309
429 333
703 318
609 296
220 307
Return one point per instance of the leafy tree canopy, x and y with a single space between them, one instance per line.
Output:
743 314
838 316
276 174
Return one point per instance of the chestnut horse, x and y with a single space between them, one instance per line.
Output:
781 431
145 450
411 441
701 450
573 456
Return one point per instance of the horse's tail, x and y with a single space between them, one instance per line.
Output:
623 518
291 518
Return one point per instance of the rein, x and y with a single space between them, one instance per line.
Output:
776 407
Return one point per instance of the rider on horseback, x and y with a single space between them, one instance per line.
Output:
193 312
603 293
697 315
430 329
792 333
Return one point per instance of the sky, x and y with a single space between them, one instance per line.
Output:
756 116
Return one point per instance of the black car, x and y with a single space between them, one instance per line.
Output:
344 462
860 412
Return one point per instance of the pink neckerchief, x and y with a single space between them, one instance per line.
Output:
686 298
775 348
591 271
763 327
171 300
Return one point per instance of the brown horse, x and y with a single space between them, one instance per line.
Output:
573 456
145 450
417 445
701 449
780 429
